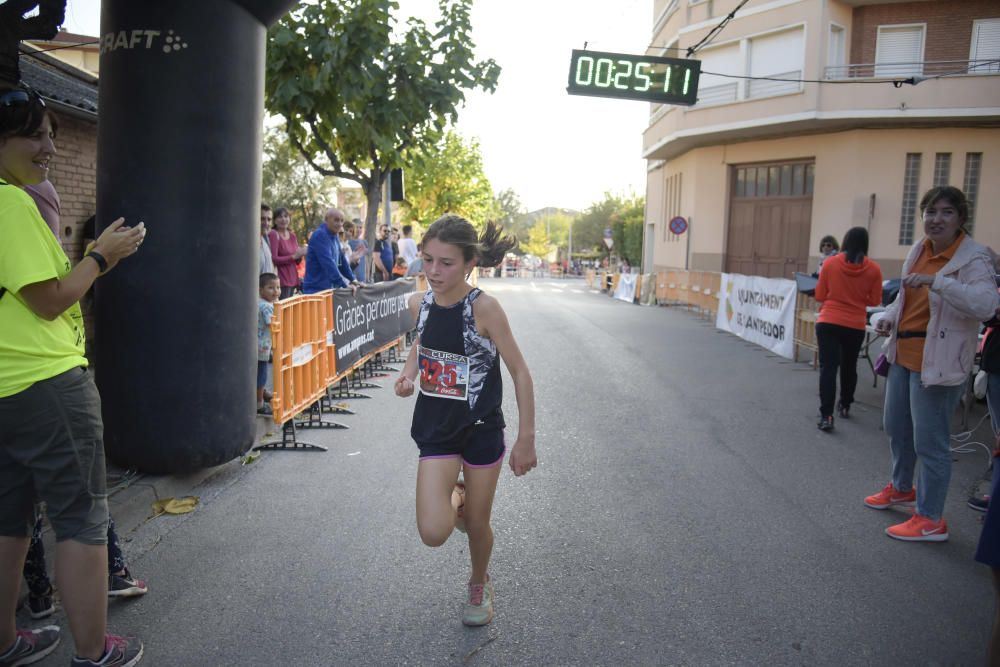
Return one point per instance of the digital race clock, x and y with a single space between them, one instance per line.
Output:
650 78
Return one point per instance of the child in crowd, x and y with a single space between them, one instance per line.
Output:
399 270
270 290
121 583
457 422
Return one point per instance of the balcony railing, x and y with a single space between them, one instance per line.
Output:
906 69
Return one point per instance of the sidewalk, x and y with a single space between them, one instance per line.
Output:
131 498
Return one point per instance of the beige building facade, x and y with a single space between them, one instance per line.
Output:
815 116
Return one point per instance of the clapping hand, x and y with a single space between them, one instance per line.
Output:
119 241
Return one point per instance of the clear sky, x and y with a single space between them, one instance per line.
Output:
553 149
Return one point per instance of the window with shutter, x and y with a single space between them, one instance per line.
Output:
779 56
899 50
984 51
724 60
837 47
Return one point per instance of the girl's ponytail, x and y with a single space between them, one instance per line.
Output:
494 245
488 249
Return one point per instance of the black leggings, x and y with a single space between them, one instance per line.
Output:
838 347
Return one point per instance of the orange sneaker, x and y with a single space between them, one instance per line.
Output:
889 496
919 529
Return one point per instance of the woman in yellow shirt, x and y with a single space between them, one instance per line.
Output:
51 435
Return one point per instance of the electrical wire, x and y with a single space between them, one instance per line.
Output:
58 48
716 30
911 80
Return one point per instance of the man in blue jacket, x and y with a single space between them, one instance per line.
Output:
326 265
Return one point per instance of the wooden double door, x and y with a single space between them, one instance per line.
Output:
770 219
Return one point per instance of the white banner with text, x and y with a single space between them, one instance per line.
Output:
626 287
760 310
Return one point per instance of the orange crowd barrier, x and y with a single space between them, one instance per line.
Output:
806 311
693 289
299 344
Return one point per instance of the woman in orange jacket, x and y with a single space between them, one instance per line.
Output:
848 283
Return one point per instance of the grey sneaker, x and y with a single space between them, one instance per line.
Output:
118 652
479 608
125 585
31 646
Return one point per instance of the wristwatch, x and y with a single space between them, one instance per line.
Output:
102 263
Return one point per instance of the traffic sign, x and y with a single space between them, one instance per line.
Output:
678 225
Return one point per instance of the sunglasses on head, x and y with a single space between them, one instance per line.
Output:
18 97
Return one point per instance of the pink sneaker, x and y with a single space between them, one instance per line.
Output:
919 529
889 496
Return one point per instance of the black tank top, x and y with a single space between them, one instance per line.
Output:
458 373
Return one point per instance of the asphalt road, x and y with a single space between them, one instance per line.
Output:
686 511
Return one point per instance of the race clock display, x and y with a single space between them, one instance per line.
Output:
649 78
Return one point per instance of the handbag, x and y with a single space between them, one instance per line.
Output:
882 365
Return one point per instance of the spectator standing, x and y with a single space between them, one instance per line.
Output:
121 583
326 264
850 283
828 247
270 290
43 371
399 270
47 200
416 267
383 256
407 246
947 291
988 552
988 549
359 248
266 262
285 251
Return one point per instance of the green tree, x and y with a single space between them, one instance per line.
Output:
624 215
627 230
557 228
289 181
510 207
351 91
588 230
448 178
537 242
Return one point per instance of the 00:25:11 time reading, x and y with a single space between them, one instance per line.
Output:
601 73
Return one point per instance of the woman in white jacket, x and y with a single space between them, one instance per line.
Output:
947 291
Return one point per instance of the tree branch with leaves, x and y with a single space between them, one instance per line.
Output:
359 95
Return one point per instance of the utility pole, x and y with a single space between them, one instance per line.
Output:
569 255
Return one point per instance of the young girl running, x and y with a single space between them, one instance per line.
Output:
457 422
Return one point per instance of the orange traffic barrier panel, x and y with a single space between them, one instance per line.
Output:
694 289
661 287
712 291
298 332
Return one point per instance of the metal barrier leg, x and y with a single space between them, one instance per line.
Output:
344 389
327 405
289 440
357 380
378 364
315 419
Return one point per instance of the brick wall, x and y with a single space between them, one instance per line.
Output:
74 174
948 33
